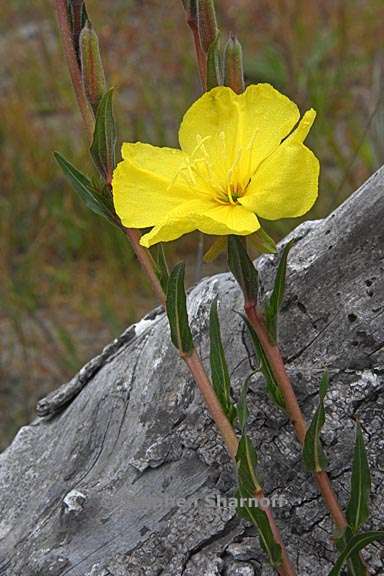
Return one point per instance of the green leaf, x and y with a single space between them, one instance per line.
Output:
313 454
242 408
104 138
247 501
214 73
242 268
219 369
177 311
355 544
246 461
161 265
274 303
358 505
355 565
271 385
93 199
258 517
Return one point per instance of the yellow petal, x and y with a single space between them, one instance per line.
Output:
213 113
228 219
237 131
203 215
286 183
267 117
177 222
301 132
149 183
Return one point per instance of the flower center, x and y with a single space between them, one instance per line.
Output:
201 170
231 195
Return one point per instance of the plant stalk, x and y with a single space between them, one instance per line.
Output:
200 55
73 66
146 262
213 405
232 442
293 409
193 361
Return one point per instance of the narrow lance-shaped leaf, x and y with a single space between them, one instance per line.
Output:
259 518
242 407
219 369
271 385
355 565
274 303
242 268
246 462
313 454
248 504
355 544
92 198
358 506
214 67
104 138
161 265
246 457
177 311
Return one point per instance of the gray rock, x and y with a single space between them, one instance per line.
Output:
131 436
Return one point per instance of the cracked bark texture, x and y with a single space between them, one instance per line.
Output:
118 473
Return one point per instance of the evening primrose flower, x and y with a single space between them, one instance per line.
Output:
241 157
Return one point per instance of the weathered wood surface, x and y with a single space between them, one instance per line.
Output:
95 485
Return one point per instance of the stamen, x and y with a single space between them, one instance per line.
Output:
230 197
230 172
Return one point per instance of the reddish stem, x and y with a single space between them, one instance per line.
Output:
200 54
212 403
146 262
73 66
231 440
293 409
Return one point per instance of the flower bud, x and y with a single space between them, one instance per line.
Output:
233 65
92 70
208 29
77 15
214 65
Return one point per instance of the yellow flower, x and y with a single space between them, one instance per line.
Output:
240 158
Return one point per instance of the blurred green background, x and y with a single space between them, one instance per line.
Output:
69 282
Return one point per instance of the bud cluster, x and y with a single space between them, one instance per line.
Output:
219 67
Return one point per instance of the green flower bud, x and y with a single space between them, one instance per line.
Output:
233 65
92 71
207 22
77 15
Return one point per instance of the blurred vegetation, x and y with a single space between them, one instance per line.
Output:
69 282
